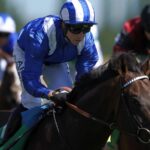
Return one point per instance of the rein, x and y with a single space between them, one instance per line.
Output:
89 116
6 110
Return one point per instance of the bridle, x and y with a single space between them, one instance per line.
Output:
112 125
137 125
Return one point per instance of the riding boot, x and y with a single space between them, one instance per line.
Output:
14 122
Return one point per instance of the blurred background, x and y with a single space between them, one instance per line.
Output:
110 15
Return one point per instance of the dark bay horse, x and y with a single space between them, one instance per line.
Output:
100 100
130 141
9 88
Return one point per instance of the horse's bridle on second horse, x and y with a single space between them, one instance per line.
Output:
142 133
112 125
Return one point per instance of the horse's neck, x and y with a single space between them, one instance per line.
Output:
98 103
10 89
16 77
102 99
16 84
81 132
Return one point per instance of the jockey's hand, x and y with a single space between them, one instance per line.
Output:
59 96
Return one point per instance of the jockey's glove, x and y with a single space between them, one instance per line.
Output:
59 96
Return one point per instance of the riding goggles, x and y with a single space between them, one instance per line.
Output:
76 29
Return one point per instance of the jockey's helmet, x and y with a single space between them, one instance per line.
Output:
145 17
7 24
77 12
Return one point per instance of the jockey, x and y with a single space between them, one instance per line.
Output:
46 44
44 47
135 34
8 37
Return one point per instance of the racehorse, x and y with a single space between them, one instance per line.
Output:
96 105
9 88
128 141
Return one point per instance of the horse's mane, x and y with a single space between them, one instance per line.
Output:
119 63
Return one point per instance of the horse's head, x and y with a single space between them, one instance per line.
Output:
117 92
134 107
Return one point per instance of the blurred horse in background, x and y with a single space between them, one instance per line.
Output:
115 95
9 87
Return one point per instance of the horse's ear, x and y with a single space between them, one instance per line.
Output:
145 67
119 65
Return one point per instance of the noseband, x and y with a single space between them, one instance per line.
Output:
143 134
112 125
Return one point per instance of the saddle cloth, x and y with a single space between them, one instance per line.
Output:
30 118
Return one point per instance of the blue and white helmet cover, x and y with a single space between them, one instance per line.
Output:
77 12
7 24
